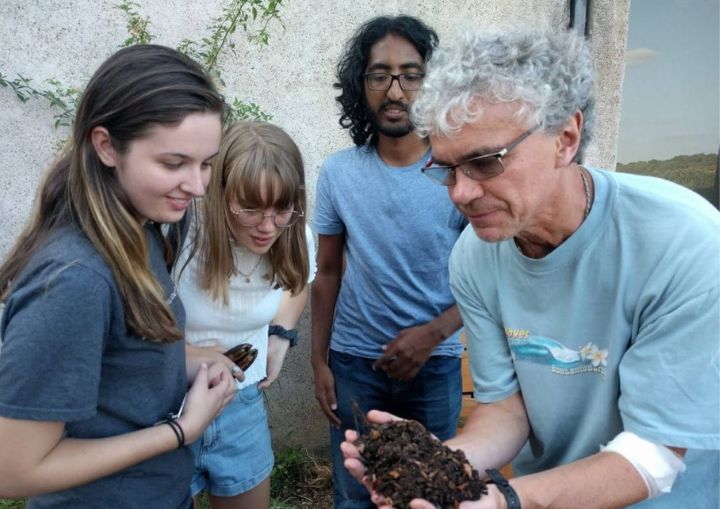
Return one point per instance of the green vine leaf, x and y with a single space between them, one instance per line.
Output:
63 99
240 110
238 13
136 24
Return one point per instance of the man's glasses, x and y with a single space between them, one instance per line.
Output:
253 217
382 81
477 168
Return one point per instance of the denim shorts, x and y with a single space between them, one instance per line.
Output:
234 454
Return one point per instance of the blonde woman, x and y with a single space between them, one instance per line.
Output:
244 276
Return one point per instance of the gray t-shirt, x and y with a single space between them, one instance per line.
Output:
68 356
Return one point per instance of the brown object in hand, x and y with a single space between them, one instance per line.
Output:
404 461
242 355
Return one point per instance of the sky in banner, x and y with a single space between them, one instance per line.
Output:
670 102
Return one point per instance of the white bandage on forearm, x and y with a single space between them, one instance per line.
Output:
657 464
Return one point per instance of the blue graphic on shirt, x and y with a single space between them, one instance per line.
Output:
562 360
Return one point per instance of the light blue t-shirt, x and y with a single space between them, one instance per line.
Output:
399 230
616 329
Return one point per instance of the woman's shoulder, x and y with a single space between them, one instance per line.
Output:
68 248
66 277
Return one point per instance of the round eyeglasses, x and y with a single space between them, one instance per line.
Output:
253 217
382 81
478 168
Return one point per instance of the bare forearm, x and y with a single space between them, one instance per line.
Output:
291 308
324 296
600 481
287 316
446 324
73 462
493 434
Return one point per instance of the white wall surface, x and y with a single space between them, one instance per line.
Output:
291 79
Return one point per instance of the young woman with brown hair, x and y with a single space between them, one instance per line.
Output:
93 371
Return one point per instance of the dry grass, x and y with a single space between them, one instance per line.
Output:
299 480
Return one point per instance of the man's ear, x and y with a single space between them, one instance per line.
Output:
100 138
568 141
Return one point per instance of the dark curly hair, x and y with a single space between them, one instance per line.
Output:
351 68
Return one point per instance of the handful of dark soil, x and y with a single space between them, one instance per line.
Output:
404 462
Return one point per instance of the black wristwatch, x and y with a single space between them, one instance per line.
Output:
281 332
511 497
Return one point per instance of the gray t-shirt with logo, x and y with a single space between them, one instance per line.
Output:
614 330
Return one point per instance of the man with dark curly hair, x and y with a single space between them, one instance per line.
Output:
386 330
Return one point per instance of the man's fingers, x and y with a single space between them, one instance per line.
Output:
394 370
331 416
331 405
349 450
396 367
419 503
389 355
402 372
379 501
382 363
330 398
351 435
328 411
355 467
380 417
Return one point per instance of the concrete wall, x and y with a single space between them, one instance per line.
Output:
291 78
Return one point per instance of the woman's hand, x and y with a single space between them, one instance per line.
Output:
195 355
277 349
212 389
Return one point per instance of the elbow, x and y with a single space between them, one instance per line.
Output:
17 483
11 489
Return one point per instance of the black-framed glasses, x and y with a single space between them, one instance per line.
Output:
253 217
477 168
382 81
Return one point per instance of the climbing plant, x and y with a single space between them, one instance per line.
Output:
253 17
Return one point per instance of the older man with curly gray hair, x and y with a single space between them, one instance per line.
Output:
590 298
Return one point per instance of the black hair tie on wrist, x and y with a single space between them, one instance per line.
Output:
177 429
511 497
281 332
